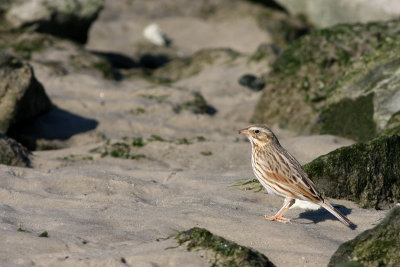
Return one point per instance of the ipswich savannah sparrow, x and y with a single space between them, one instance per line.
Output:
281 174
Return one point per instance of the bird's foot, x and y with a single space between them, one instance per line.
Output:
280 219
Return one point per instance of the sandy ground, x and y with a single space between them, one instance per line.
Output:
108 211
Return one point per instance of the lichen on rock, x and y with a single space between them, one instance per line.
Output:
378 246
367 173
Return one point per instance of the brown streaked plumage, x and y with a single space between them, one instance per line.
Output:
281 174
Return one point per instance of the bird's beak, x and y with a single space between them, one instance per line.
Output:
244 131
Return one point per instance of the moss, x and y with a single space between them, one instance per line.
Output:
156 138
137 111
76 158
393 125
121 149
252 185
350 118
367 173
379 246
158 98
126 148
198 105
105 67
44 234
206 153
226 253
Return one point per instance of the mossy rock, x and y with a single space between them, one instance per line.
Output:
366 173
379 246
185 67
22 96
13 153
331 69
225 252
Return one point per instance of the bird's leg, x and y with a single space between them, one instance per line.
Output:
279 215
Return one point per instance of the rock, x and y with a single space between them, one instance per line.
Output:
224 252
179 68
323 15
13 153
252 82
367 173
378 246
346 87
66 18
22 97
179 99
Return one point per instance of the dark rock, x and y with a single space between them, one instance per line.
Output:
225 252
367 173
335 79
252 82
22 97
13 153
379 246
65 18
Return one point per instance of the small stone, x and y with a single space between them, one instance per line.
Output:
252 82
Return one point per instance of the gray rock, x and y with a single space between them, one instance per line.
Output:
13 153
324 13
65 18
378 246
22 97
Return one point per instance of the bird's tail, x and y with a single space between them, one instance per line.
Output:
337 214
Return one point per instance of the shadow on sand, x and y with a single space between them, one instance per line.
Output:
57 124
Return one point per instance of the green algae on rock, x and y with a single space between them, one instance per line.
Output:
367 173
225 252
13 153
348 62
379 246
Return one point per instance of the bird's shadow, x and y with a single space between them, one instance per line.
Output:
322 214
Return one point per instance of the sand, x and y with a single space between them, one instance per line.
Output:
109 211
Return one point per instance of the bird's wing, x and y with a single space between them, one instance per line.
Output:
295 179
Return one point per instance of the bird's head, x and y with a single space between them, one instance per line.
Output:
259 135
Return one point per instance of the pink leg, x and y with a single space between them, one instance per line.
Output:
279 215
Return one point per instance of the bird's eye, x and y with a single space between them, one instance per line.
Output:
257 131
